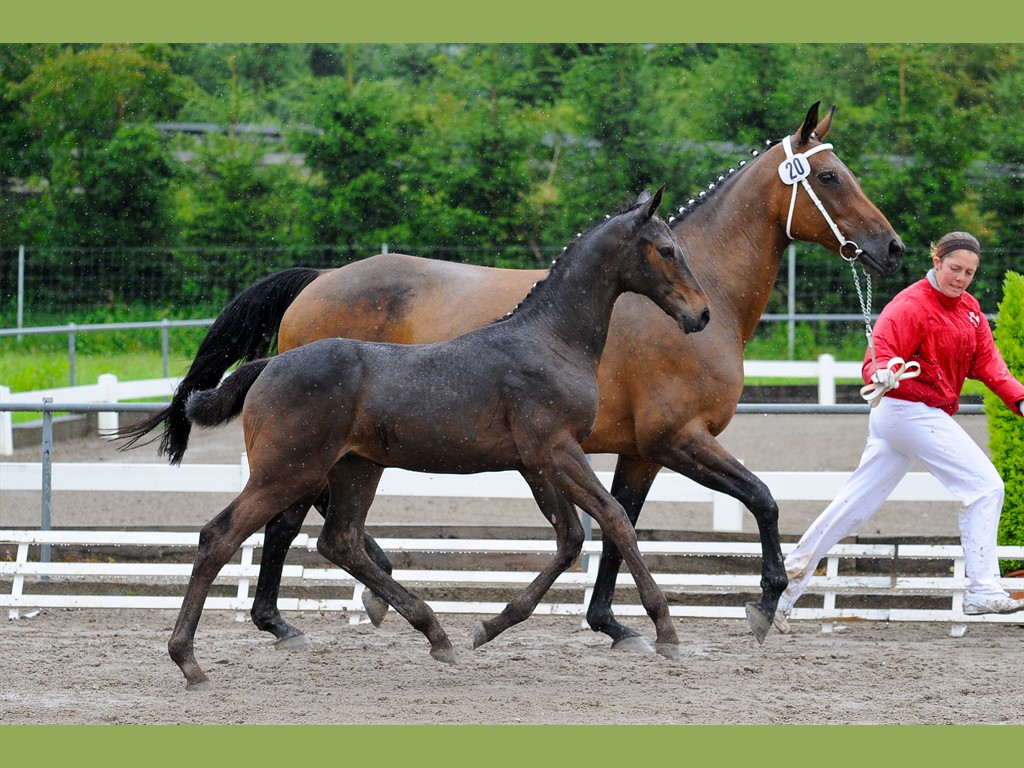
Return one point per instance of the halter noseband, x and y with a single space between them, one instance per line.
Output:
794 170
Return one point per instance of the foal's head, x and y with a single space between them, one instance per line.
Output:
653 264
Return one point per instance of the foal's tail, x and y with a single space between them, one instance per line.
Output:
245 330
213 407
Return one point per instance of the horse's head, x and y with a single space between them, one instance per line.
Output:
821 200
660 270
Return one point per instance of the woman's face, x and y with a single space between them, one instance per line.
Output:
955 271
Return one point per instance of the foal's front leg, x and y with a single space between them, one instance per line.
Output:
573 475
569 534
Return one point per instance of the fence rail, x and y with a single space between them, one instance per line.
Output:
689 589
826 371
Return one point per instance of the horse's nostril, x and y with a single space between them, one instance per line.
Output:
705 318
896 248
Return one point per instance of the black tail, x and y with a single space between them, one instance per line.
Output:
219 405
246 330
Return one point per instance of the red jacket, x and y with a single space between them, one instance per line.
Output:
952 341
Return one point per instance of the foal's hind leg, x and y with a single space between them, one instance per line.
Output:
353 483
280 533
569 534
218 541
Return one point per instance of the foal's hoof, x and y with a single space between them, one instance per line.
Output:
292 643
633 644
444 655
479 635
759 622
376 607
668 650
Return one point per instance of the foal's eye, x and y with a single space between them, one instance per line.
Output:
667 252
828 177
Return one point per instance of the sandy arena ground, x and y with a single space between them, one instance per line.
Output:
91 666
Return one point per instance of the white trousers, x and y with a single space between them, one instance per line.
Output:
900 432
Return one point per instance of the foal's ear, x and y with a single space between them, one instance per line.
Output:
810 123
649 203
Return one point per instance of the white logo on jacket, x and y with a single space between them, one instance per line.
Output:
974 317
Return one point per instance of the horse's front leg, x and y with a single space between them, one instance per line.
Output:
702 458
632 481
569 534
572 474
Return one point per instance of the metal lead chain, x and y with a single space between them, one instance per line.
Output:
865 308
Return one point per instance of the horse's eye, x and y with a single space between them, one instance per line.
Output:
828 177
667 252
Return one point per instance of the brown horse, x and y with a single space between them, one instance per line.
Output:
520 393
664 396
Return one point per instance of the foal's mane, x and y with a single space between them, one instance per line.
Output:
557 266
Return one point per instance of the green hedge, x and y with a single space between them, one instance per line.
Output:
1006 429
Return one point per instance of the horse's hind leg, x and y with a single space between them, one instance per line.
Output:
280 533
353 483
569 535
632 481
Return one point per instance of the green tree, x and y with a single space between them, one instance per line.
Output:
1006 430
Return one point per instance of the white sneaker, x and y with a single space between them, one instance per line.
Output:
781 620
975 604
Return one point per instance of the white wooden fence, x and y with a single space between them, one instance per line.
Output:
835 581
107 389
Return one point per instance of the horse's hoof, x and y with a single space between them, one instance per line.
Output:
633 644
202 685
668 650
292 643
759 623
444 655
479 635
376 607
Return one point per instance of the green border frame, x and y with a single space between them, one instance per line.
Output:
740 21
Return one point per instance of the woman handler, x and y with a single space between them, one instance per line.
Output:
936 324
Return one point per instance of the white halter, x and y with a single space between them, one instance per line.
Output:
794 170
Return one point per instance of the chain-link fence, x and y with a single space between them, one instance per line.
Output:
42 286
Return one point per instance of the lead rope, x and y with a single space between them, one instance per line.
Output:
873 392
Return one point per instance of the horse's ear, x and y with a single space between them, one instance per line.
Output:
822 128
649 203
810 123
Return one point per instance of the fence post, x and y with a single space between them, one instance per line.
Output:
47 469
107 420
165 344
726 514
71 353
791 301
826 379
21 288
6 425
